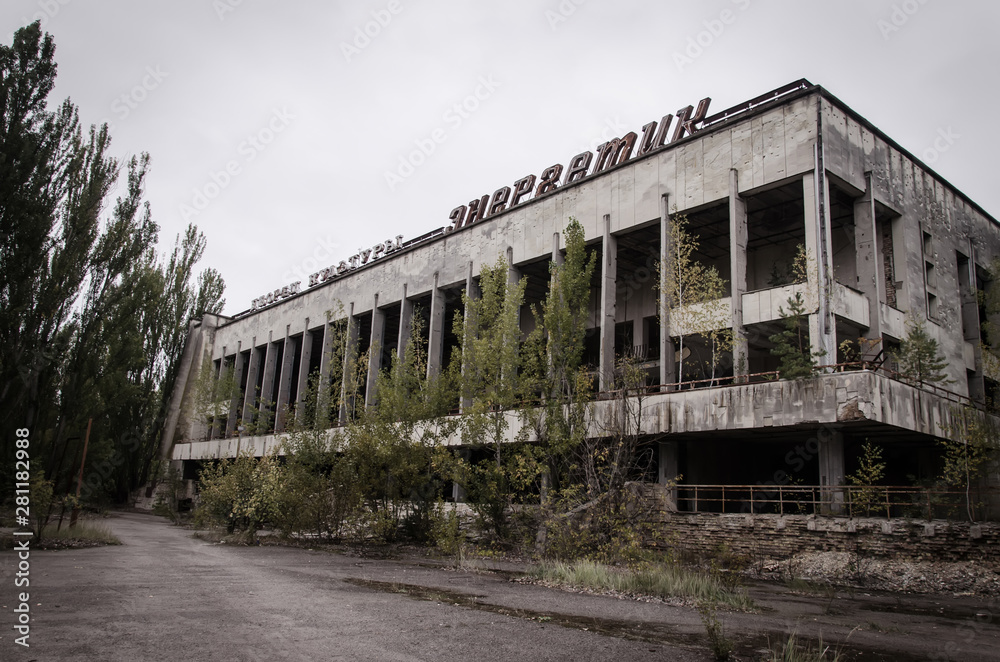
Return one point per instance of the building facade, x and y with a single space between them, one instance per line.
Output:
887 243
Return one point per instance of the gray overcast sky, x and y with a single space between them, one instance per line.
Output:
310 113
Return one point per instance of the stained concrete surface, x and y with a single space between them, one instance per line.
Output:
164 595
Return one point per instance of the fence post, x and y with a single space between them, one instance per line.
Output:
888 505
929 517
781 502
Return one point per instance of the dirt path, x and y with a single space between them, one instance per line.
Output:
164 595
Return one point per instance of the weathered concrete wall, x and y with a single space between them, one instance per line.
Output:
777 536
764 150
768 147
922 202
836 400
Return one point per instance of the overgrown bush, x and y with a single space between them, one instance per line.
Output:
446 529
244 493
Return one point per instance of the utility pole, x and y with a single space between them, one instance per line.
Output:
79 478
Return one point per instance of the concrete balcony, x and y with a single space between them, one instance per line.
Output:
767 305
869 402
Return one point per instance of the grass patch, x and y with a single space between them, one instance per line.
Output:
660 580
791 651
84 534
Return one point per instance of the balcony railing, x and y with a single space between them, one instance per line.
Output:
845 501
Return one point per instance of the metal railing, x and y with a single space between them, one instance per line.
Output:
838 500
774 375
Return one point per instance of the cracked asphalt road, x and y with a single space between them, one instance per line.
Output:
164 595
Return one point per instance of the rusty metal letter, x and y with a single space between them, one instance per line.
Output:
477 210
500 197
522 187
550 179
578 167
686 123
457 217
613 152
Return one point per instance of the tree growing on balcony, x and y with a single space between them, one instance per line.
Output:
970 453
492 387
797 360
394 444
871 470
919 357
694 295
555 368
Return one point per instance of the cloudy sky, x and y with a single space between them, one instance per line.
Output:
295 133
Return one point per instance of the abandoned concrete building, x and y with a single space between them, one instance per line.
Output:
888 241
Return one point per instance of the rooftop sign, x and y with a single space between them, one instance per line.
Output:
586 164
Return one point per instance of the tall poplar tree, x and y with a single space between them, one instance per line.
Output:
91 320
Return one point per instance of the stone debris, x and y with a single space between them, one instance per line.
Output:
880 574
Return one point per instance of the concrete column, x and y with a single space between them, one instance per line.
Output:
323 403
871 270
405 322
557 260
971 324
302 379
513 273
215 428
609 275
250 397
349 382
435 334
513 278
639 337
471 292
668 364
234 405
266 407
458 493
819 286
738 273
284 381
192 348
375 352
669 461
831 468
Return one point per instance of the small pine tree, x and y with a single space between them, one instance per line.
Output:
871 470
919 357
792 346
970 452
